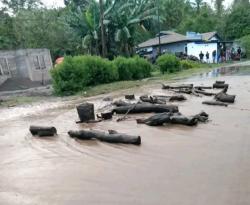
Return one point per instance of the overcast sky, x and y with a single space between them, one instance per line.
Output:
59 3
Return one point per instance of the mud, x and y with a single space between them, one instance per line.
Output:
177 165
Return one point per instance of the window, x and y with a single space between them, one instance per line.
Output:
42 62
36 62
39 62
4 69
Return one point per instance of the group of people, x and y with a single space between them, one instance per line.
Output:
222 56
201 55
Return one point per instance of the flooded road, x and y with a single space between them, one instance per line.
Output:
177 165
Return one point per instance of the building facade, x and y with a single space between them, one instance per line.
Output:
190 44
32 64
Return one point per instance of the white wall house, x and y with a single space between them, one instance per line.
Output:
195 48
191 44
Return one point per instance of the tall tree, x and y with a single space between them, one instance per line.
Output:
103 41
14 6
218 4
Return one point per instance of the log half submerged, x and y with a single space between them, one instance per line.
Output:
145 108
217 103
112 137
43 131
173 118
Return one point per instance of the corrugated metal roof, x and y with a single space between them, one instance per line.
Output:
207 36
172 37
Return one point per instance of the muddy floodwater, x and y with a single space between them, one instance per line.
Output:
208 164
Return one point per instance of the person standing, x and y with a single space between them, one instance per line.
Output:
201 55
214 56
239 52
207 57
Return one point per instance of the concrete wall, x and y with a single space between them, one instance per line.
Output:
195 49
3 78
174 47
23 64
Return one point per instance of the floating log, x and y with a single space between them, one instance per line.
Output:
43 131
201 117
220 85
173 118
130 97
120 103
177 98
223 97
183 120
86 112
204 92
184 90
214 103
145 108
219 82
171 98
156 120
152 100
167 87
114 137
203 87
106 115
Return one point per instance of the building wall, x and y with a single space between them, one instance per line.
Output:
27 63
3 78
195 49
174 47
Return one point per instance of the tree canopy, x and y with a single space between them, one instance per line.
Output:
76 28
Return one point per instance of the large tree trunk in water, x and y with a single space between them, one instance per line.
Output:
86 112
220 85
145 108
189 86
120 103
43 131
113 137
173 118
215 103
223 97
152 100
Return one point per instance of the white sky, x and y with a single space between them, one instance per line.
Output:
60 3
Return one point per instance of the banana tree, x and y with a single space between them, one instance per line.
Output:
126 18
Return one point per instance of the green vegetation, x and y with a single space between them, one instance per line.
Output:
77 73
75 30
168 63
187 64
245 42
132 68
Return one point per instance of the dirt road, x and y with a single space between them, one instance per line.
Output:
176 165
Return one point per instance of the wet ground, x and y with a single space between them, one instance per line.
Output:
177 165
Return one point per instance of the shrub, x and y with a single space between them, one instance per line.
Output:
245 42
168 63
75 73
187 64
132 68
124 67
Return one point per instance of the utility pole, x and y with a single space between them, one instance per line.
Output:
159 26
102 29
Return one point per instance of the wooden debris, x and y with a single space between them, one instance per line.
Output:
214 103
43 131
111 137
145 108
86 112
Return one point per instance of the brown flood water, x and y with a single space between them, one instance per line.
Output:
176 165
